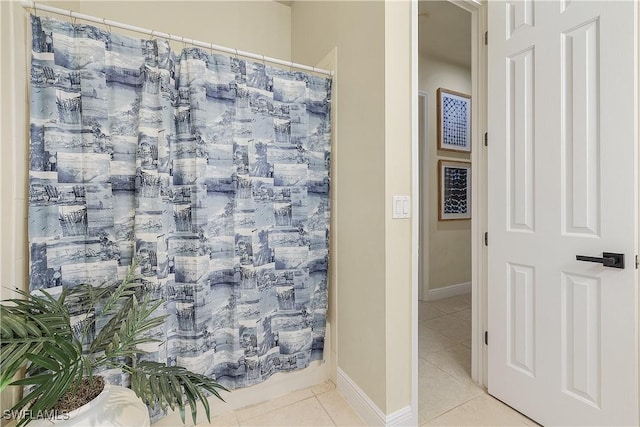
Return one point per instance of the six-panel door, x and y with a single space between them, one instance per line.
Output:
563 86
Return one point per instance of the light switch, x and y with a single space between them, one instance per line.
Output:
401 207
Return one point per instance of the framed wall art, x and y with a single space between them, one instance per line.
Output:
454 121
454 190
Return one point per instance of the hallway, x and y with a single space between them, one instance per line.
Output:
447 394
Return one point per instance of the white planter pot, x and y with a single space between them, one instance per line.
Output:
114 406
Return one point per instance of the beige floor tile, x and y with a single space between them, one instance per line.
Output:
463 315
483 410
430 341
323 388
440 392
217 408
450 326
455 361
173 419
463 300
427 311
308 412
439 306
452 304
226 420
339 410
278 402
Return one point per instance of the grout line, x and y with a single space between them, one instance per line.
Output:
484 392
205 423
247 420
435 317
326 391
236 417
326 411
447 350
453 378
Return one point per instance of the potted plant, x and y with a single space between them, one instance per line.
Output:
61 357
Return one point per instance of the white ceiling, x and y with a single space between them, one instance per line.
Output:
444 31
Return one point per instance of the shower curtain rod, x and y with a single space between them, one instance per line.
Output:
29 4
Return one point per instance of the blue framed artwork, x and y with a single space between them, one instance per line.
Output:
454 121
454 190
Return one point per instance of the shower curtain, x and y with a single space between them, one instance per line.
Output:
210 171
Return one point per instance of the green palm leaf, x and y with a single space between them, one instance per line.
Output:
51 378
26 326
12 361
149 378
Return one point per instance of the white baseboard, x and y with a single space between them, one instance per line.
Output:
370 413
449 291
403 417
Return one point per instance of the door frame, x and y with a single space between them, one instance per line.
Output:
478 191
423 203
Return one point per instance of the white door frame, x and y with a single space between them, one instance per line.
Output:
478 191
415 212
423 188
478 188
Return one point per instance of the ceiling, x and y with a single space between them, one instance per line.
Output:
444 32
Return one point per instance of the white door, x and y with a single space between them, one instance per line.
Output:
563 334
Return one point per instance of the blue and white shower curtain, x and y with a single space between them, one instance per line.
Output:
212 171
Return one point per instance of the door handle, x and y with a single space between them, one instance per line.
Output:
609 259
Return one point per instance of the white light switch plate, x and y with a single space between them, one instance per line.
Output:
401 207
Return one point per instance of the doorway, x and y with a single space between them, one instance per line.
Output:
450 315
444 320
568 382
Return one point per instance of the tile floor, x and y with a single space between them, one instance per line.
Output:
447 394
321 405
447 397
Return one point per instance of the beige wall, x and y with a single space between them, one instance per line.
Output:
13 159
373 163
448 242
262 27
357 30
13 148
398 160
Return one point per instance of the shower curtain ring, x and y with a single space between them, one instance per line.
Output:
263 62
236 53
